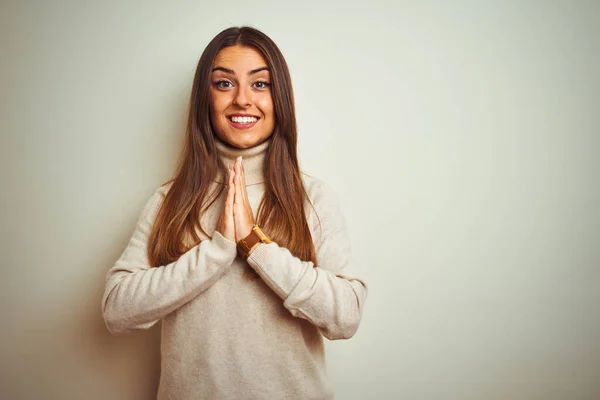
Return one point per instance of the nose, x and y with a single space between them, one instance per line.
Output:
243 96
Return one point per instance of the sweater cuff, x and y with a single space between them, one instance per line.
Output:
278 268
224 245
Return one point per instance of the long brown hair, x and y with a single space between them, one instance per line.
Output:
281 210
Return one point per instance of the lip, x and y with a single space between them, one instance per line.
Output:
242 115
237 125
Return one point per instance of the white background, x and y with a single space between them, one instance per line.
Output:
461 138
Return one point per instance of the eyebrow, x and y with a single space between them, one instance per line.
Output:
230 71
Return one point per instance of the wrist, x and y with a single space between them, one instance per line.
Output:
248 244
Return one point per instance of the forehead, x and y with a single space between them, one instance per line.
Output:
239 58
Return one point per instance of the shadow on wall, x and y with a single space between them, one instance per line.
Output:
94 364
67 353
127 365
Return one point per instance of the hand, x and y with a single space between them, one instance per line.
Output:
226 223
242 212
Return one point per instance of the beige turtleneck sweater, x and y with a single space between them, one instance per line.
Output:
225 336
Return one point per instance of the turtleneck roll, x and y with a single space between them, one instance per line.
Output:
225 336
254 158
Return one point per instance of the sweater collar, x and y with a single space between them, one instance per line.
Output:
252 157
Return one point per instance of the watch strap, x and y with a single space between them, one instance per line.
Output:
250 242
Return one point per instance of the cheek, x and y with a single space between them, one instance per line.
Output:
266 106
218 103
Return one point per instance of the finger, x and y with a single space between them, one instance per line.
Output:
231 175
239 195
244 188
243 179
235 179
232 184
236 165
230 189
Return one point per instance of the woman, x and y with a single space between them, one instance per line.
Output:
242 256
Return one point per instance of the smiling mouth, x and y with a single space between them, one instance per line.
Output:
242 120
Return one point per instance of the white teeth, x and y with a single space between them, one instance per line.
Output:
244 120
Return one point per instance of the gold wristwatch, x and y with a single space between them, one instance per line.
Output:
249 243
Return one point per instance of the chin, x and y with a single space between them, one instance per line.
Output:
242 144
245 143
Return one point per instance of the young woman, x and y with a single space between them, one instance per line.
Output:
242 257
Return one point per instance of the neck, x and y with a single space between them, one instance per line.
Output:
253 160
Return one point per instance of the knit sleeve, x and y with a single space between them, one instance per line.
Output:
137 296
329 296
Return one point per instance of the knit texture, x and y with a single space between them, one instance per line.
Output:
228 337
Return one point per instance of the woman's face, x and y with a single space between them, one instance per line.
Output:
241 106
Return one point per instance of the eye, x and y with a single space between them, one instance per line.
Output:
261 84
222 84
